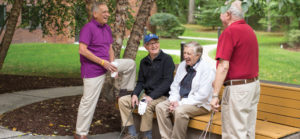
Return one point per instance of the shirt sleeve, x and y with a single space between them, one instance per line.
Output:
225 46
85 35
168 70
140 82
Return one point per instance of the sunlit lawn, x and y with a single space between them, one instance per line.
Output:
168 43
53 60
275 63
62 60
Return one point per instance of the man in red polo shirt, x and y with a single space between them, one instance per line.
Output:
237 70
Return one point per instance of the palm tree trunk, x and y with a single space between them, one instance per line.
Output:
138 29
10 30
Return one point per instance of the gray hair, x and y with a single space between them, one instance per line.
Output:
95 6
236 9
197 47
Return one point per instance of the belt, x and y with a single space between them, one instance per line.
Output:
240 81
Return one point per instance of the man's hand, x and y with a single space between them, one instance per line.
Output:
134 101
173 105
214 103
110 67
148 99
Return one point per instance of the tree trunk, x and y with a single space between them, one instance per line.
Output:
111 87
88 6
269 26
10 30
138 29
191 11
120 26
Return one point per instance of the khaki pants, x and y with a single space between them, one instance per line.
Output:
239 109
182 115
146 119
91 92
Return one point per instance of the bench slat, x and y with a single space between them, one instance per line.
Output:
265 116
201 125
280 101
263 129
279 110
274 130
280 91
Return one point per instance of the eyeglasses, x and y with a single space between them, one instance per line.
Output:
153 43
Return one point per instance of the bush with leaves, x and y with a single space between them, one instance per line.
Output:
294 38
167 25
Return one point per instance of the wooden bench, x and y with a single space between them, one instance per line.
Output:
278 115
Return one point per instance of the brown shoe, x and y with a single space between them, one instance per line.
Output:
80 136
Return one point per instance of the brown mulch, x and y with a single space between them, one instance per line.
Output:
13 83
54 116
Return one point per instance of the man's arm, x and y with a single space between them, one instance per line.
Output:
111 54
89 55
221 73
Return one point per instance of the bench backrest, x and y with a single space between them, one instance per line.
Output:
279 104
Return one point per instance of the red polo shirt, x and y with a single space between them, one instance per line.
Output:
238 45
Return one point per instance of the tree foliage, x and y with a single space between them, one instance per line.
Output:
206 14
285 14
55 17
175 7
167 25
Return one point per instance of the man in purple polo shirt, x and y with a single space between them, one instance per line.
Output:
237 70
96 55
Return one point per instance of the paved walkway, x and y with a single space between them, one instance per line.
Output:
11 101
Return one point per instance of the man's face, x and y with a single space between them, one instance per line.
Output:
225 18
101 16
153 46
190 56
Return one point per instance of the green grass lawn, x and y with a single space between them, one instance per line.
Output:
53 60
199 31
276 64
62 60
166 43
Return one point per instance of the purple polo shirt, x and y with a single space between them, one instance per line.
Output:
98 39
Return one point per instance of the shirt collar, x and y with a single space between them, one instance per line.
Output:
158 56
97 24
242 21
195 65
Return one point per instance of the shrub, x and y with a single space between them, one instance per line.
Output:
167 25
294 38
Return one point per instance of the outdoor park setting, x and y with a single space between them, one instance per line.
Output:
40 70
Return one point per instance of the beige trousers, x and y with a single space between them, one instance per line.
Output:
239 109
91 92
146 119
182 115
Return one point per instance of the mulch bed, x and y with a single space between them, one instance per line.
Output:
13 83
54 116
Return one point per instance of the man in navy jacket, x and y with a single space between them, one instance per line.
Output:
155 77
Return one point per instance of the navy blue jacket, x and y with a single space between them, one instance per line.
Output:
156 76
